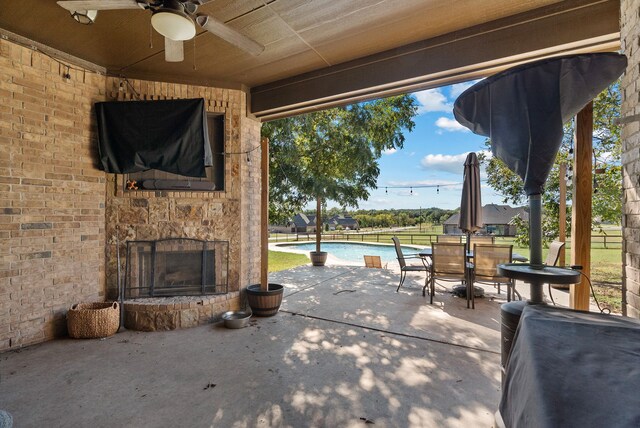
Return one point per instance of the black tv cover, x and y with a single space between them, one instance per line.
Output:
168 135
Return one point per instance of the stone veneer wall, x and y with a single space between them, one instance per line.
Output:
630 112
232 215
52 196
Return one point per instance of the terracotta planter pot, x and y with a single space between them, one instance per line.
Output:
318 258
265 303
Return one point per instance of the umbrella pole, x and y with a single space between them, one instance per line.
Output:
470 290
535 244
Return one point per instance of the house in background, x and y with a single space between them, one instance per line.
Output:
343 222
303 223
306 223
497 219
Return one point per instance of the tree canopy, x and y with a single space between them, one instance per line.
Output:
607 149
333 154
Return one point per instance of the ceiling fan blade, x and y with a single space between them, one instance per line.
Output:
173 50
73 5
230 35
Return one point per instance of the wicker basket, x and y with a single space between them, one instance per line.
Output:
93 320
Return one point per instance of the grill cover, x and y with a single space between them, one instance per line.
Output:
522 109
169 135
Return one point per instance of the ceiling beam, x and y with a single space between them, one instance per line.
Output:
564 28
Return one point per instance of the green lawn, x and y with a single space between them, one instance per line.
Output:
282 261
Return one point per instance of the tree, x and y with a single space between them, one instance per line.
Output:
332 154
607 149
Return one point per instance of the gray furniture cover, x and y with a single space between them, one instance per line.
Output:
523 108
572 369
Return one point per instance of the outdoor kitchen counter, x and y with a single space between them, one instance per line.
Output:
572 369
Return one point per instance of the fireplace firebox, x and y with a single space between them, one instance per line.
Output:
176 267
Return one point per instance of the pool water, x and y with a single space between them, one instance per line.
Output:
354 252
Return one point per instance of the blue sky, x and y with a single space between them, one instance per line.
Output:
433 153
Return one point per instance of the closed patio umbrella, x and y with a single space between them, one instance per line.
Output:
470 206
523 109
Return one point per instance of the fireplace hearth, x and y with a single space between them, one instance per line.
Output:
176 267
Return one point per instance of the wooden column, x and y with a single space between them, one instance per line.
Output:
581 208
264 216
562 217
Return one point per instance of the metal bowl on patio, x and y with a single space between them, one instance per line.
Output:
236 319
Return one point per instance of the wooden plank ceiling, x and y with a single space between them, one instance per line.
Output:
300 36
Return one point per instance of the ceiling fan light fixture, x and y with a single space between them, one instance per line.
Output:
173 23
85 17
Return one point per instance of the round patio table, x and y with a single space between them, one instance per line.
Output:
537 276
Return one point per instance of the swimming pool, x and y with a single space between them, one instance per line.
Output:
353 251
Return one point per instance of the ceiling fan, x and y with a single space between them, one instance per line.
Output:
173 19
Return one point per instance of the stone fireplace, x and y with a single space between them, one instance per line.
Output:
190 251
176 267
175 283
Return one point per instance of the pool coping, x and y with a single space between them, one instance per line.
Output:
331 259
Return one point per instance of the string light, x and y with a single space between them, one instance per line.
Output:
421 186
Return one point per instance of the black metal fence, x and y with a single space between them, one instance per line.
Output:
597 241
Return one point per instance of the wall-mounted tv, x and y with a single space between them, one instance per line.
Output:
166 135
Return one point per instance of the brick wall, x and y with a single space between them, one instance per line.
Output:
232 215
51 196
630 110
59 213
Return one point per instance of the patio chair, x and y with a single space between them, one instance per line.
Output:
481 239
404 267
449 238
448 263
373 262
486 258
552 259
554 253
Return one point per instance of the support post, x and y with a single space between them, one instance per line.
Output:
581 207
264 216
535 245
562 217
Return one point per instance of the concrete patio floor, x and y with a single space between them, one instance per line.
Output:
344 349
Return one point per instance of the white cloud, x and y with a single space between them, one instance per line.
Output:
450 125
432 100
459 88
389 151
606 157
450 163
447 163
